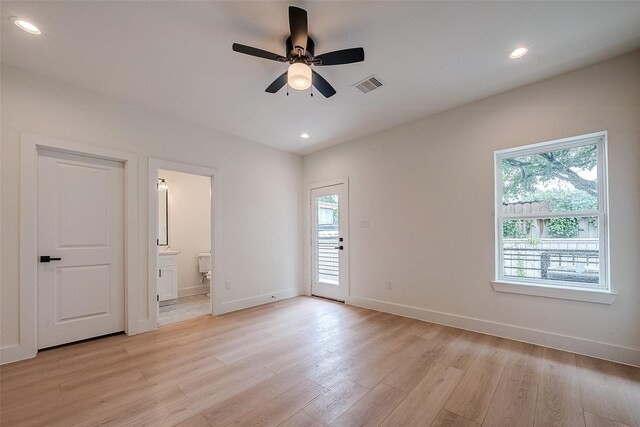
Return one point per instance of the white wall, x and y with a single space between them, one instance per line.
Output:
260 195
189 225
427 190
414 183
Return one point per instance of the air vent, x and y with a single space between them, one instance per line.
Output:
368 84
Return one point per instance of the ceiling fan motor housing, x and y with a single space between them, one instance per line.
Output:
292 53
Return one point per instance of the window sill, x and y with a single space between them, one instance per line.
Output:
587 295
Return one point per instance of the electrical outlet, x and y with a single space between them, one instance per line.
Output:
364 223
227 284
389 285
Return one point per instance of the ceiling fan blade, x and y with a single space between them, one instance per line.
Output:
298 26
322 85
253 51
339 57
277 83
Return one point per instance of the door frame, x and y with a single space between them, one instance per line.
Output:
216 247
28 287
309 235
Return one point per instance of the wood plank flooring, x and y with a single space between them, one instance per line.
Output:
312 362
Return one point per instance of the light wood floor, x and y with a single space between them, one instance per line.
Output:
310 362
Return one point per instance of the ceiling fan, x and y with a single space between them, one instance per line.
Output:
300 56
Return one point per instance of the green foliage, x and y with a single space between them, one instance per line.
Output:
330 199
520 269
565 200
509 228
552 177
517 229
564 227
524 175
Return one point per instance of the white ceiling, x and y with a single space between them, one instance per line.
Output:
176 57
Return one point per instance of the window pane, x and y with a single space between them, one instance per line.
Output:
554 181
328 258
562 249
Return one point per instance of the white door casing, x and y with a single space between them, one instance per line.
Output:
30 145
81 221
216 246
330 242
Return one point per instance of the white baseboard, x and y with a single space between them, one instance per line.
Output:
193 290
600 350
10 353
239 304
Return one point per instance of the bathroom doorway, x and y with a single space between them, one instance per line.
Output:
182 251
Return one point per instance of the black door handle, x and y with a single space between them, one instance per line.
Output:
339 247
47 258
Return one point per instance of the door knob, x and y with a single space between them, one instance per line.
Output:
47 258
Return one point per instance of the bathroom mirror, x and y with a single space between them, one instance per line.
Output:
163 213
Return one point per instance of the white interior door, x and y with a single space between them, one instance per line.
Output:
81 230
329 242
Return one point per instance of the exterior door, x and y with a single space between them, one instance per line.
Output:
329 242
80 247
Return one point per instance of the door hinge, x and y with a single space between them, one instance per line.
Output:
157 242
157 298
159 272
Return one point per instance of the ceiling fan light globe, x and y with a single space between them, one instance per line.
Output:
299 76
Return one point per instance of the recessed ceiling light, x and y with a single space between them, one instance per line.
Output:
304 135
518 52
27 26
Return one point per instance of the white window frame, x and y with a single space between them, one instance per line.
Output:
600 293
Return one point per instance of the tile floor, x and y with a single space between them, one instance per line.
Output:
186 308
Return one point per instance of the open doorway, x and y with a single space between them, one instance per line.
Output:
182 253
184 246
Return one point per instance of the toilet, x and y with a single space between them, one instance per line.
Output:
204 265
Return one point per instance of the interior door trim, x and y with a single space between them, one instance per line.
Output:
216 245
135 321
307 235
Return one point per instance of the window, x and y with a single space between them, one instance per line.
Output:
551 214
325 216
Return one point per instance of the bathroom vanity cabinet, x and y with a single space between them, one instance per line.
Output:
168 275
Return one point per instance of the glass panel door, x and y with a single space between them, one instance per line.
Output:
329 221
328 240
